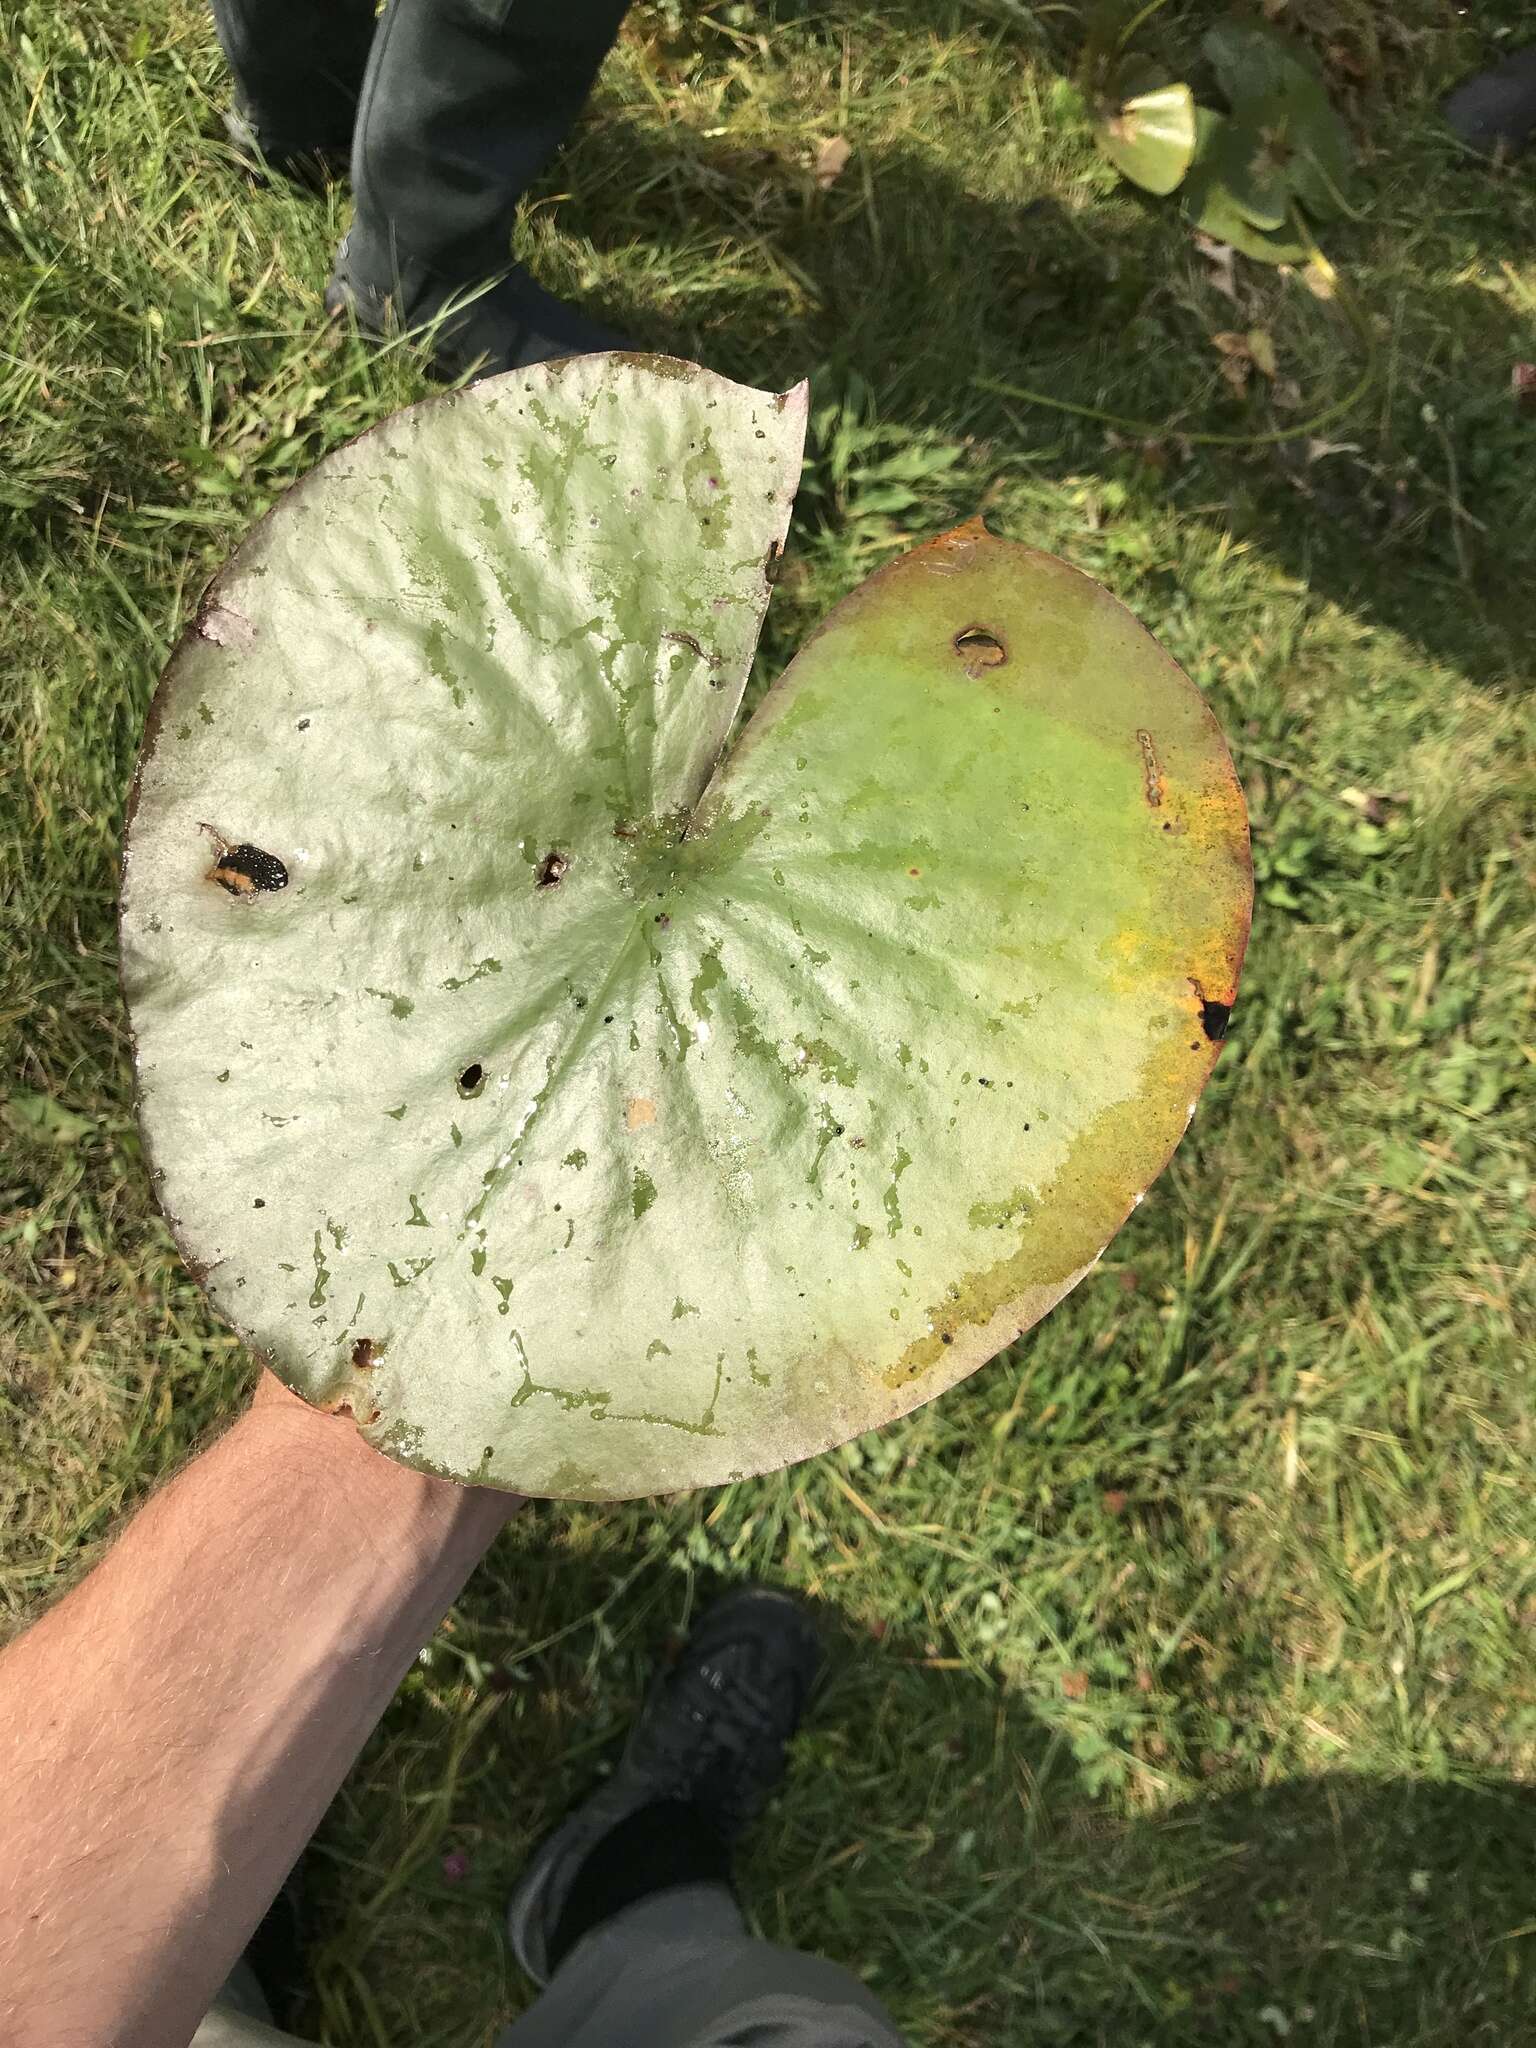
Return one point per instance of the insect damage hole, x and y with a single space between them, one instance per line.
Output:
1214 1018
472 1081
551 869
979 648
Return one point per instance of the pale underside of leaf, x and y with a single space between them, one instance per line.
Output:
1150 137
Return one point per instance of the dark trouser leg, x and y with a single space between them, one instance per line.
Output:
464 103
298 68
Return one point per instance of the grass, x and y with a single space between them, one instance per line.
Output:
1182 1680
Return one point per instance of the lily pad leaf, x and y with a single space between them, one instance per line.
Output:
1253 163
1252 61
591 1111
1150 137
1274 91
1208 204
1322 163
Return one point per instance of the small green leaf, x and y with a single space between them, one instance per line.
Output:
1323 161
1150 138
1252 162
1271 86
1067 105
1261 351
1252 60
45 1118
1210 207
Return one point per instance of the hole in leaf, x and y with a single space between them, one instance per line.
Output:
551 868
1213 1020
364 1354
979 648
472 1080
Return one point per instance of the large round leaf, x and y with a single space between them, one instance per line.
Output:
591 1120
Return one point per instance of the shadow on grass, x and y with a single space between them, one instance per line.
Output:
936 1837
1415 520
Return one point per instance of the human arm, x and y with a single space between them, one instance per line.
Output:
172 1731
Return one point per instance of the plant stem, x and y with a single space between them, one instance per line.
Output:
1201 438
1142 14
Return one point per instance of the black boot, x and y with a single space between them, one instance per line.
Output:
298 68
464 103
702 1759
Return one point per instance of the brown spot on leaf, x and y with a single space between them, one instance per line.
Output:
638 1112
1152 774
697 647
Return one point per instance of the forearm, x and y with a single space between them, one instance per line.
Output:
171 1733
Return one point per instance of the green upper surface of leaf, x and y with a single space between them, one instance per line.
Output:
1253 163
1209 205
1273 89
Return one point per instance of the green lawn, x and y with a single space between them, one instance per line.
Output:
1183 1681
